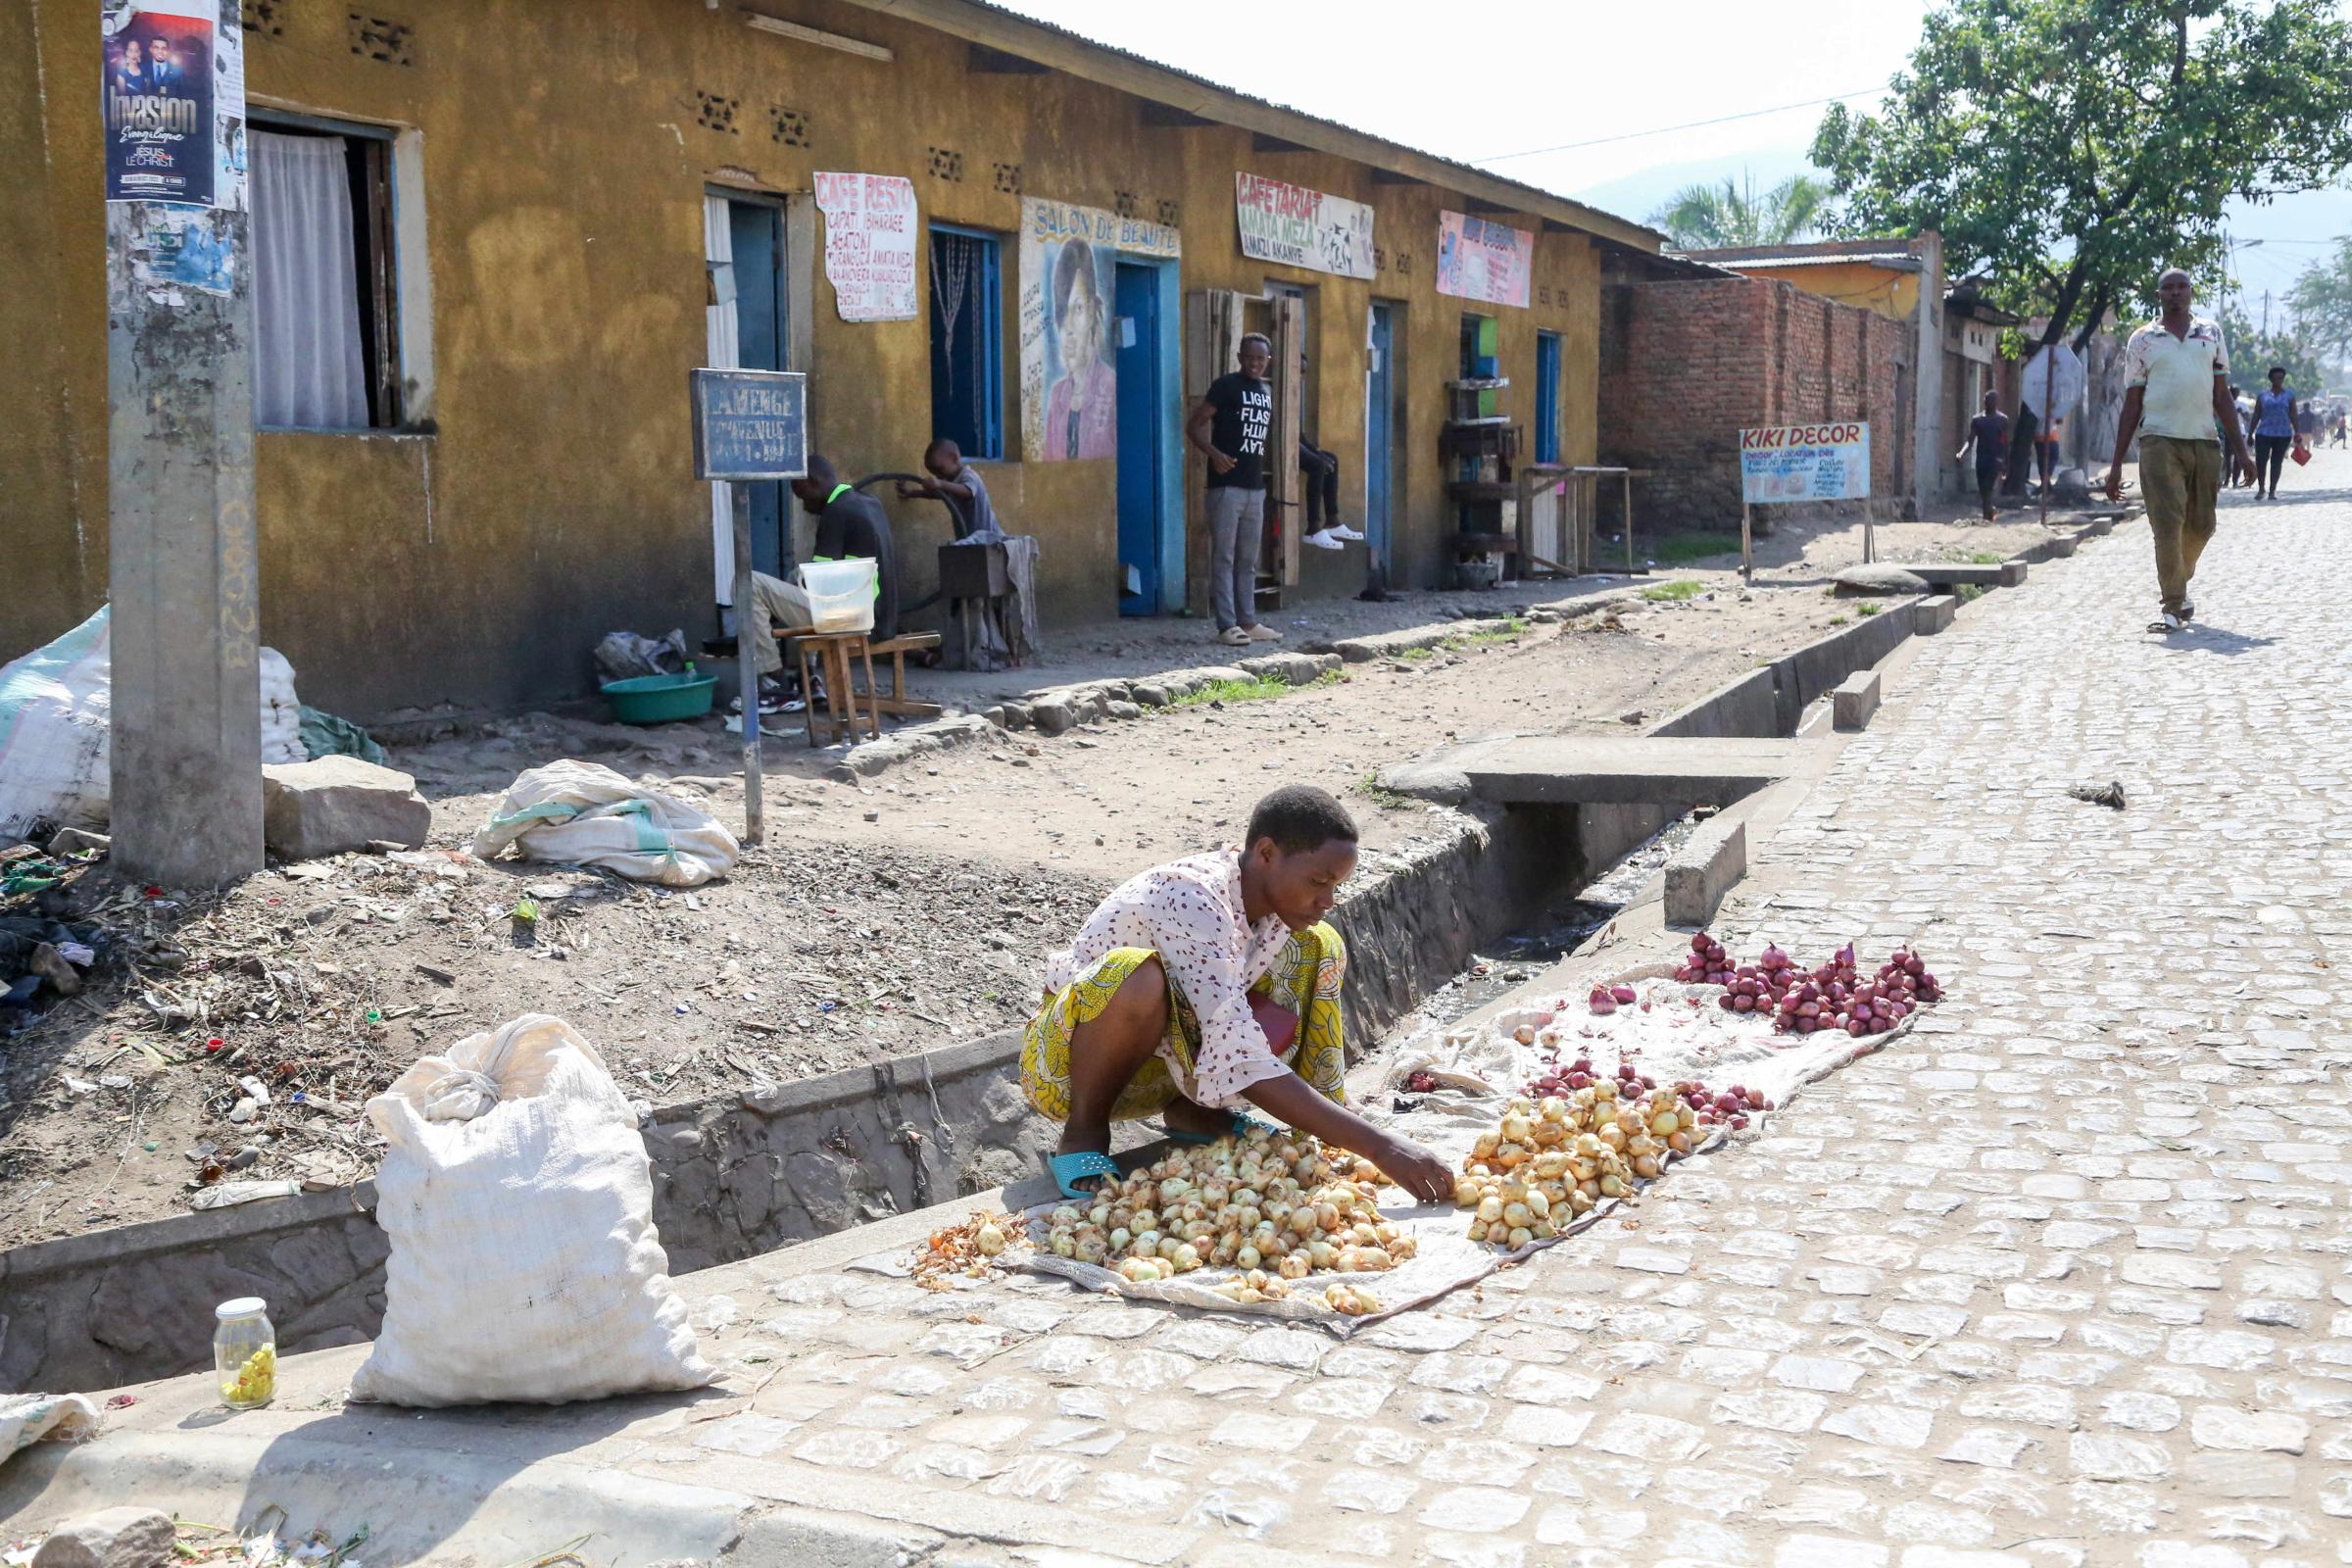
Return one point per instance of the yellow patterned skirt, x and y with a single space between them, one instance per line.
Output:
1305 980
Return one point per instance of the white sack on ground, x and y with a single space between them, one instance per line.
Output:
519 1199
578 813
55 743
53 733
282 712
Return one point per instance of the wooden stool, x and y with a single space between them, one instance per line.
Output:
834 650
896 701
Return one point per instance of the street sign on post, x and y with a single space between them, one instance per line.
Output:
750 427
2054 381
1789 463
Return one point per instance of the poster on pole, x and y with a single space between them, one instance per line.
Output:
1069 343
869 245
1782 463
158 60
1482 261
1301 227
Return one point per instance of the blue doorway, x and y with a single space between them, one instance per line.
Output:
756 231
1380 428
1142 465
1548 397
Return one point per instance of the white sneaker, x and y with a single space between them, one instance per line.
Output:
1234 637
1339 530
1261 633
2165 623
1328 539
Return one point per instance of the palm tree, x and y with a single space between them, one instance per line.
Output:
1709 216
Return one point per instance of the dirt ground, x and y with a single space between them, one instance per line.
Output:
880 919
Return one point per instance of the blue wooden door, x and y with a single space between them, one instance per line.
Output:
1548 397
1379 412
756 230
1137 308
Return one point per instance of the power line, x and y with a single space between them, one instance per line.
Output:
1690 124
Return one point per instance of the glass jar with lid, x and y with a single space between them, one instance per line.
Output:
245 1354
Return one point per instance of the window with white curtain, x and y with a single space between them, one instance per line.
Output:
324 341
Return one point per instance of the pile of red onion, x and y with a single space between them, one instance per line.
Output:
1730 1105
1833 995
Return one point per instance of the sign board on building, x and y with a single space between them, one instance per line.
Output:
1482 261
749 425
869 245
1301 227
1069 344
1783 463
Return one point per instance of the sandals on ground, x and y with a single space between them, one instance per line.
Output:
1067 1170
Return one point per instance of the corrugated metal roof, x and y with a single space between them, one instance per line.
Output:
997 27
1892 251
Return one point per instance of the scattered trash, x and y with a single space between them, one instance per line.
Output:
625 656
2107 795
228 1194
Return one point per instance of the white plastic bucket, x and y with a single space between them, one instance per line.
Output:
841 594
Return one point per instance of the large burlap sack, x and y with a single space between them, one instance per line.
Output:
579 814
519 1203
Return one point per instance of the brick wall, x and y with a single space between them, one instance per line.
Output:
1685 364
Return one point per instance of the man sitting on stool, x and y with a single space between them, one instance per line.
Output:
850 526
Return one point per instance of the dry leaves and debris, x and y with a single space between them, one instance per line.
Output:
970 1249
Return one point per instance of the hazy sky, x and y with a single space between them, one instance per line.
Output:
1476 80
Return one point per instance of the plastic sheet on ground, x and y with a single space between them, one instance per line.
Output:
1482 1068
29 1418
579 814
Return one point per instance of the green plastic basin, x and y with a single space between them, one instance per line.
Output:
660 699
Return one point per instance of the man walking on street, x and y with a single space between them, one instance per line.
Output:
1230 428
2176 380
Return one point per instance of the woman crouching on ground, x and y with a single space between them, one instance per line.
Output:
1209 983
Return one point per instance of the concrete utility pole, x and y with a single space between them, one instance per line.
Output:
182 573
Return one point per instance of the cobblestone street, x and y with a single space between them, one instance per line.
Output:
2058 1279
2061 1278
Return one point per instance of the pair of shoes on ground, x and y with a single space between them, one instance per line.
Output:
778 696
1244 636
1333 536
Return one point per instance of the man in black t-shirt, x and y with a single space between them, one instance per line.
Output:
1988 435
850 525
1230 429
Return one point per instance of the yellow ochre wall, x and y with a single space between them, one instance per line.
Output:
564 168
1879 289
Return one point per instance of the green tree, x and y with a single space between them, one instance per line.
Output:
2322 299
1711 217
2075 149
2252 353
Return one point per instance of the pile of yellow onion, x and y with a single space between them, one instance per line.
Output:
1548 1162
1276 1206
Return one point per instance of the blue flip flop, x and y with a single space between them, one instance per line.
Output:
1244 1124
1069 1169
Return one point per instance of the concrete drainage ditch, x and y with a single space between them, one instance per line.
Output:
742 1175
